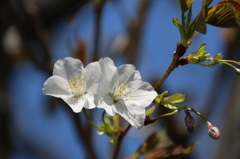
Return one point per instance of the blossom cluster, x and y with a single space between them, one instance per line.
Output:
101 84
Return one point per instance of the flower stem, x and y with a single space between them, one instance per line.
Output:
167 114
119 142
199 114
174 64
104 112
88 119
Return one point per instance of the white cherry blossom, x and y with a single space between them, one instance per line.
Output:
76 85
123 92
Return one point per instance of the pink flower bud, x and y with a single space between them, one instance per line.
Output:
213 131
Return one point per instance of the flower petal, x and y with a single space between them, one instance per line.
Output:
109 74
127 73
143 93
92 73
90 101
132 112
106 102
68 68
76 103
134 76
56 86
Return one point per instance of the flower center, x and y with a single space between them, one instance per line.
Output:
120 92
78 86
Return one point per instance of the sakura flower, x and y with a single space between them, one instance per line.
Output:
123 92
76 85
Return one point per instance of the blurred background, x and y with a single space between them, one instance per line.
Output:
36 33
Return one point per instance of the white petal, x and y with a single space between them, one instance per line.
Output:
107 104
128 73
90 101
68 68
56 86
143 93
132 111
92 73
76 103
134 76
107 108
109 74
93 89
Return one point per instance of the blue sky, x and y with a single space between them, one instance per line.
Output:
35 128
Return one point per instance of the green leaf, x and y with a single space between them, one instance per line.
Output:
181 29
111 128
185 4
217 57
199 56
210 65
160 96
176 22
176 98
170 102
201 51
225 14
189 17
152 109
200 21
170 106
158 100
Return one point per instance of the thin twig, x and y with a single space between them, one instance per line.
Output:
117 148
97 35
174 64
136 27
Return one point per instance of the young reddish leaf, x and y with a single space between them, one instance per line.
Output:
225 14
170 152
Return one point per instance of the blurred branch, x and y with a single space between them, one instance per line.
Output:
97 34
174 64
25 18
5 140
231 118
119 142
84 136
50 11
135 29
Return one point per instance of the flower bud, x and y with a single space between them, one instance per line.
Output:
213 131
190 130
189 120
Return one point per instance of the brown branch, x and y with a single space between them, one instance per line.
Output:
174 64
